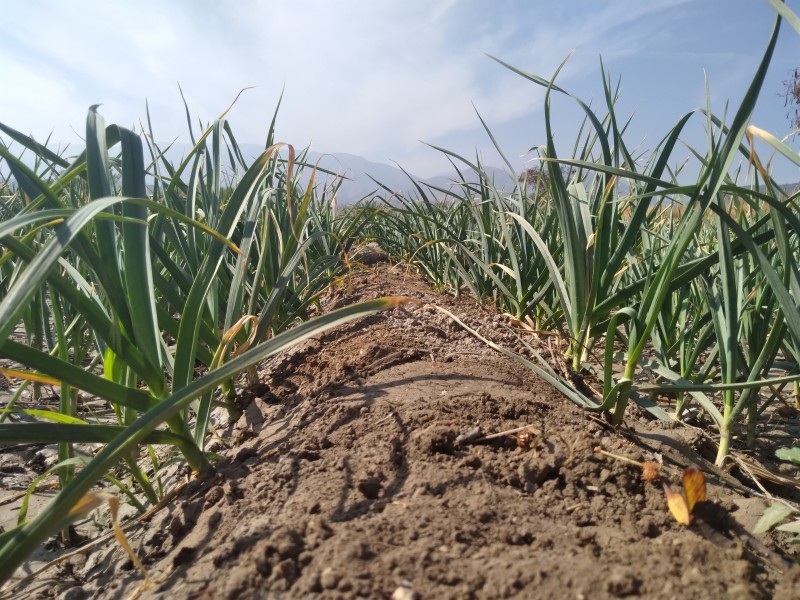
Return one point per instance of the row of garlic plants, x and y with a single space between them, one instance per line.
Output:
151 286
647 274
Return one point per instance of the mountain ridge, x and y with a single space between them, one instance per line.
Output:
362 174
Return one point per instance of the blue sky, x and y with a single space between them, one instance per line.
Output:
377 78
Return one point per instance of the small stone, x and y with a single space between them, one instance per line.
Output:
404 593
329 579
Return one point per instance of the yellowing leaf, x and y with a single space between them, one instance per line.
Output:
694 486
678 506
88 503
93 500
29 375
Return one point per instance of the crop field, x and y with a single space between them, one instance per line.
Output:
140 298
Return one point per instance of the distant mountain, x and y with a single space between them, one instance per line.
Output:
362 174
788 188
499 178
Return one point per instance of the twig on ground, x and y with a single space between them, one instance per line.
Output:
501 434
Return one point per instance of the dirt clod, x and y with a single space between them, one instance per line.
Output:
329 578
621 582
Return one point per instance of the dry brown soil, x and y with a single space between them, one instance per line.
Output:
348 477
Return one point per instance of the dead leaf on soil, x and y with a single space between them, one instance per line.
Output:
681 504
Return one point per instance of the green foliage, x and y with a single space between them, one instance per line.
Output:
789 454
152 285
697 281
99 274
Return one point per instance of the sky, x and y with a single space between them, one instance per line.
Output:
386 79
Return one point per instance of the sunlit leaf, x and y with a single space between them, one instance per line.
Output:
29 376
694 486
787 13
789 454
775 514
678 506
48 415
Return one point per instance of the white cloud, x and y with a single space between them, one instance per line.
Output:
47 98
361 76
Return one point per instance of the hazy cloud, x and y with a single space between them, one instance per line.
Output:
360 76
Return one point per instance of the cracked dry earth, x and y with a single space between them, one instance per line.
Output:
346 477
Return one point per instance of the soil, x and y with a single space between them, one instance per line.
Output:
360 468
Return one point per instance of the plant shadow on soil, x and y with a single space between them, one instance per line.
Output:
344 478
